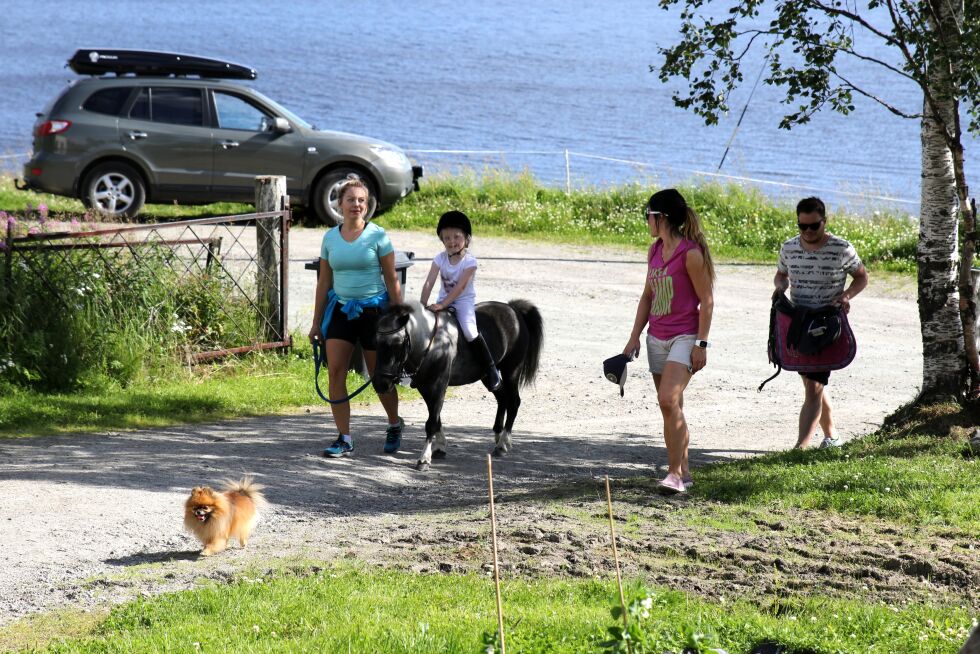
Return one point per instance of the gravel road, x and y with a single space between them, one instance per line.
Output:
81 514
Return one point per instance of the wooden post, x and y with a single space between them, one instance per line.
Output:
619 580
496 567
270 195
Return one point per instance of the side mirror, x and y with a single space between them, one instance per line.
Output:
281 126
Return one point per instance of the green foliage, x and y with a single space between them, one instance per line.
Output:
805 44
77 314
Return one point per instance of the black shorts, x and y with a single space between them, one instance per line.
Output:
363 329
820 376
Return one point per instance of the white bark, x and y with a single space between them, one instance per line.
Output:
943 363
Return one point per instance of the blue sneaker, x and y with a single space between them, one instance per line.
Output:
339 448
829 442
393 437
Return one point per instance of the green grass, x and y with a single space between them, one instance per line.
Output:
742 224
256 384
913 476
350 609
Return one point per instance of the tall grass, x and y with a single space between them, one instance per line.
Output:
80 316
741 224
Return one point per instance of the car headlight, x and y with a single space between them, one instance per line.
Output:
393 157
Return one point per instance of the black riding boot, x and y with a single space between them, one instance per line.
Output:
482 353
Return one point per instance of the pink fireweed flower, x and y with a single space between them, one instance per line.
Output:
3 246
43 210
33 230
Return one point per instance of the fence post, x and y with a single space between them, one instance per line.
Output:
270 195
568 174
8 253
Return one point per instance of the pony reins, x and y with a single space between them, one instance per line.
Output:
320 358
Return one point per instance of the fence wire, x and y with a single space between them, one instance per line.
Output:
218 285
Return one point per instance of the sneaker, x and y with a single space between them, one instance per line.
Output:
393 437
671 485
339 448
687 481
829 442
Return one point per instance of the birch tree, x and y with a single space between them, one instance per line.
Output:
934 44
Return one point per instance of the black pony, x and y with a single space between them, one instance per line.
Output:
428 347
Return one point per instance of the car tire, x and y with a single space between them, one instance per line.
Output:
325 203
114 190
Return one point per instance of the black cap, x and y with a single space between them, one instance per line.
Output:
614 369
456 219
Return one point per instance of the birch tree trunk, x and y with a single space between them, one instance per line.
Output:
943 360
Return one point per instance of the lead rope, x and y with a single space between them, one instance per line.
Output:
320 358
771 346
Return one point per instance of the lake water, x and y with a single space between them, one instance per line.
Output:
525 80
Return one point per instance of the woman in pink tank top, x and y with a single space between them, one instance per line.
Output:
675 307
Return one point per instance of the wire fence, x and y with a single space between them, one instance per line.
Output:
573 170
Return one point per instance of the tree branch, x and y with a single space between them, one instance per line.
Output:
871 96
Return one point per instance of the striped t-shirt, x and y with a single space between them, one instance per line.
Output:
816 278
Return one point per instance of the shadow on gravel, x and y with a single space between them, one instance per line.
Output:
153 557
284 454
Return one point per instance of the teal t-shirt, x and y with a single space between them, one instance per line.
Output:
356 266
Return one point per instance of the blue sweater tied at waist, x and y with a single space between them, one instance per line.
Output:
351 308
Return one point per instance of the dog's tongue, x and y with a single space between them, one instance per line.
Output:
201 518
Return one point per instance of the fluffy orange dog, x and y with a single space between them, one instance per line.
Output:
215 517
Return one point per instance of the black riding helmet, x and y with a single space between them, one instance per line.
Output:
670 203
455 219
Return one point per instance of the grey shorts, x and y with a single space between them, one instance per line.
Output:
677 349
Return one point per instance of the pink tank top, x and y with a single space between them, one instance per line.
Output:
674 309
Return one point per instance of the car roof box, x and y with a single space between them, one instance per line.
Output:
98 61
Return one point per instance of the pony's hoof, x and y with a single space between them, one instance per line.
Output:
499 451
421 466
439 454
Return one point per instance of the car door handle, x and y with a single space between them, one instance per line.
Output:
135 135
229 144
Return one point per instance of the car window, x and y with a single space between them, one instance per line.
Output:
161 104
108 101
236 113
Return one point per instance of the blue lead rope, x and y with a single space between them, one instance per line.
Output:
353 310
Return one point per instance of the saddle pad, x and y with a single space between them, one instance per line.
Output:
833 357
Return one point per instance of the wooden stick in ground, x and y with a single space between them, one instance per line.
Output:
496 569
619 581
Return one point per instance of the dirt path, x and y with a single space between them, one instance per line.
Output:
79 512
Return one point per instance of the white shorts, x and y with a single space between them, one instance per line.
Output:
677 349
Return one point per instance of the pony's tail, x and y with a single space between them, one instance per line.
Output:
535 333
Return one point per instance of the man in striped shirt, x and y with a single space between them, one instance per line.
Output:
815 266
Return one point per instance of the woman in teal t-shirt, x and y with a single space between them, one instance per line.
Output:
357 278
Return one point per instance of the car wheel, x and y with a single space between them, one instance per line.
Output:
114 190
325 200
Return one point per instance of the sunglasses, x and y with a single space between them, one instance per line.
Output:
814 226
657 215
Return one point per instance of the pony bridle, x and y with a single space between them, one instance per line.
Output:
403 368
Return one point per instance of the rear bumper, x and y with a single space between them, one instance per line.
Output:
57 175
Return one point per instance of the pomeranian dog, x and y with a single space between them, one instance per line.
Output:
214 516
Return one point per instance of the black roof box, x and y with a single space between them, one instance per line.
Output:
98 61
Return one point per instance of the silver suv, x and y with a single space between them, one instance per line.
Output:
162 127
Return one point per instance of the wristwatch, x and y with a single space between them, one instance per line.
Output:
700 343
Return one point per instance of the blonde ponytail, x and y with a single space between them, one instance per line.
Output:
691 229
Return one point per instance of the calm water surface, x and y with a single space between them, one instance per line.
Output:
520 77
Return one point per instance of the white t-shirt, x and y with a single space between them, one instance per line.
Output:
816 278
449 275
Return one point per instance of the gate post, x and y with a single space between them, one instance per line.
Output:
270 195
